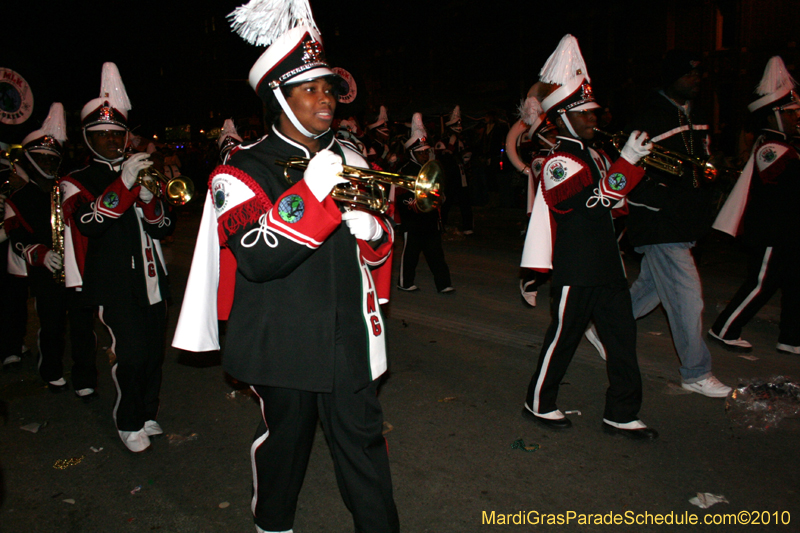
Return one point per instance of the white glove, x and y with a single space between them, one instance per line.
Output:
145 195
322 174
52 261
637 147
362 225
132 167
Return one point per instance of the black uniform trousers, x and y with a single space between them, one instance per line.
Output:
353 426
428 242
56 305
572 308
768 269
138 338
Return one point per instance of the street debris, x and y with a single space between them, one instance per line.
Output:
136 489
749 357
519 443
176 439
62 464
655 333
96 450
33 427
704 500
448 399
387 427
69 501
762 403
224 505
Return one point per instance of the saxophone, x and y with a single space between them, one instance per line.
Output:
57 226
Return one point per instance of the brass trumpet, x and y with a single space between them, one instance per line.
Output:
367 187
665 160
175 191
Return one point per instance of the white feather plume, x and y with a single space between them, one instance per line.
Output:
55 125
530 110
260 22
111 87
776 78
418 127
228 128
565 63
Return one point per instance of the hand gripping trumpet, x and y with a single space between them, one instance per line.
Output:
175 191
666 160
367 187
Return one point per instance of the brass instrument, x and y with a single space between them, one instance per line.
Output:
665 160
367 187
57 227
176 191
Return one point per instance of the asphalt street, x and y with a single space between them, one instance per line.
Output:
459 368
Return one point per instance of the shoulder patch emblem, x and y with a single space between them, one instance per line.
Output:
111 200
556 172
220 195
768 155
617 181
291 208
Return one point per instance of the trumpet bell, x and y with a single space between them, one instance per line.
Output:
179 191
428 186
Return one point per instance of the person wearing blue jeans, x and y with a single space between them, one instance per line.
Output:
668 214
669 277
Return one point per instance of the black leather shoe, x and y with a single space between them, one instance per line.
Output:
633 434
558 423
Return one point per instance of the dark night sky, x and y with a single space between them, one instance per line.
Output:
180 68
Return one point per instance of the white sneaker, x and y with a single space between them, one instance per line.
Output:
408 289
84 392
446 290
151 428
788 348
135 441
591 336
711 387
11 359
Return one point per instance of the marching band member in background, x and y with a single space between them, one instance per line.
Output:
114 225
422 232
455 156
579 187
762 210
304 324
13 273
667 214
30 225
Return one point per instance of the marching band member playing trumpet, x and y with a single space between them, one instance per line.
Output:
113 227
578 189
31 227
667 215
305 328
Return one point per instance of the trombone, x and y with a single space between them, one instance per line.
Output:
367 187
665 160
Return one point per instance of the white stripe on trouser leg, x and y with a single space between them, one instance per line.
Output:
256 443
755 292
403 257
113 349
546 363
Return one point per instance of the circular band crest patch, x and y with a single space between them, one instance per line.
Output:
768 155
111 200
291 209
617 181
